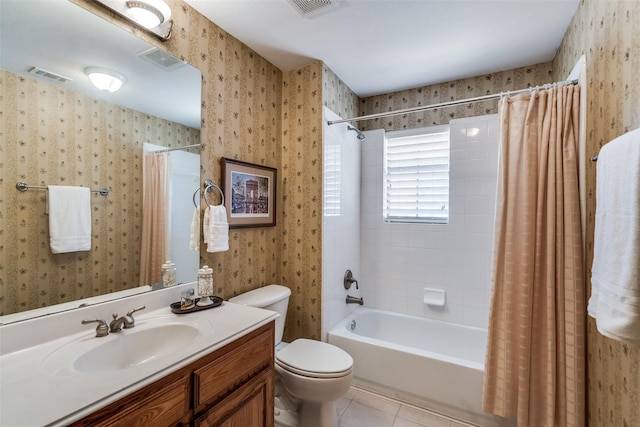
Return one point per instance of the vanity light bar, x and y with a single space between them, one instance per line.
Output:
122 9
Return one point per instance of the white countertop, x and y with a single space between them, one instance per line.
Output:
32 394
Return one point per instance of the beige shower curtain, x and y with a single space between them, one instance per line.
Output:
155 216
535 366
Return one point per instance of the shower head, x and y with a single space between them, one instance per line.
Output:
360 136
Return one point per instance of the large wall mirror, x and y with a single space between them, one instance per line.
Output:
54 133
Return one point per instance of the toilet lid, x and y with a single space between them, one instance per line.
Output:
314 358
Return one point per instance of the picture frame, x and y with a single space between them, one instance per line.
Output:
249 194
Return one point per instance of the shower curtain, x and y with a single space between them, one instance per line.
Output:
535 365
155 215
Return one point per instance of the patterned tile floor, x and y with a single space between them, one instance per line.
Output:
360 408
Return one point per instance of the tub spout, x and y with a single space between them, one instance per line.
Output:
354 300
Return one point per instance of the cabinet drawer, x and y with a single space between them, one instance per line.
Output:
217 378
165 403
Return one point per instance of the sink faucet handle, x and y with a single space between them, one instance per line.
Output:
102 330
129 321
142 307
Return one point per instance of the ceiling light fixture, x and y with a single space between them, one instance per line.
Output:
149 13
104 79
153 16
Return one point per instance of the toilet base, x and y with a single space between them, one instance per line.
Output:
292 412
318 414
286 407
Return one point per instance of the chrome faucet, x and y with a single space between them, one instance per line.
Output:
126 322
354 300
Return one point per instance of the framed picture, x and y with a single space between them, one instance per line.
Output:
249 194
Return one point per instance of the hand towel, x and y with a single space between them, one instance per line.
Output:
194 238
615 280
216 229
69 218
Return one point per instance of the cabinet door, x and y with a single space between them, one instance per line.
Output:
250 405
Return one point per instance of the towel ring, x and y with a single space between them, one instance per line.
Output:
194 197
209 186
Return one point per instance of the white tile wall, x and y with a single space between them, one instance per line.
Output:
399 260
341 219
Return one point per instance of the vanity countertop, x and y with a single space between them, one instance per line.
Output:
33 394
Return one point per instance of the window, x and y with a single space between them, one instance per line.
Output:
416 175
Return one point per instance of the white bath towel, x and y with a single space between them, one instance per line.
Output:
194 238
615 280
216 229
69 218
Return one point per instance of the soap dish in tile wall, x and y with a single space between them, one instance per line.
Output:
176 306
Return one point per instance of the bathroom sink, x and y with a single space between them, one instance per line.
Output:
122 350
132 349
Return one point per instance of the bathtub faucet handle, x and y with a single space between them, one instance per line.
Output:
349 280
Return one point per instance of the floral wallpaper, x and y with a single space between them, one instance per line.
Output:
241 119
337 96
487 84
607 33
302 204
305 91
51 135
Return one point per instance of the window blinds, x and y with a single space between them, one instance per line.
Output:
416 175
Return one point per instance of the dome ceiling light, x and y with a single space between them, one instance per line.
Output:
153 16
104 79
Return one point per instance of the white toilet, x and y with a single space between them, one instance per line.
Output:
315 372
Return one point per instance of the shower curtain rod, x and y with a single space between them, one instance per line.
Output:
186 147
447 104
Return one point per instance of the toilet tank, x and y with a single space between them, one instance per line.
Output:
271 297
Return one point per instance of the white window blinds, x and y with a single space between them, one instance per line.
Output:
416 175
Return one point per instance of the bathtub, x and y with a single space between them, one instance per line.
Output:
432 364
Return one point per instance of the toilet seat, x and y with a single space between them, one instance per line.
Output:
314 359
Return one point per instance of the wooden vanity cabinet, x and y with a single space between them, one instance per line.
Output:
231 387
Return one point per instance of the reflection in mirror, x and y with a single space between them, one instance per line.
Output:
54 133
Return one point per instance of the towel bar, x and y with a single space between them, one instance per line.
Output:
22 187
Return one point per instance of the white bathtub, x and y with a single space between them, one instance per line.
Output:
426 362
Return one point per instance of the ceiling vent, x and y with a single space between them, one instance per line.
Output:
162 59
310 8
49 75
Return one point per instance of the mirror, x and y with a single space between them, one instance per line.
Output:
70 133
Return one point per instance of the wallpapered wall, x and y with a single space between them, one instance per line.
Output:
55 136
337 96
302 205
487 84
607 32
241 119
305 91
